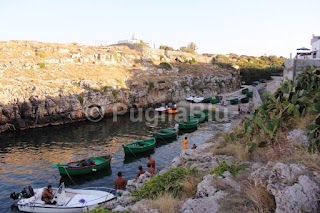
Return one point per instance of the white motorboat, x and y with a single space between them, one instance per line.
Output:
190 98
161 109
67 200
195 99
198 99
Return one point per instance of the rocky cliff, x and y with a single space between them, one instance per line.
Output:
49 84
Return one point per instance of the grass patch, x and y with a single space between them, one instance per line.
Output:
168 182
165 203
233 169
41 54
80 99
262 199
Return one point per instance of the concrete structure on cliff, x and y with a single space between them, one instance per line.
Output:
294 66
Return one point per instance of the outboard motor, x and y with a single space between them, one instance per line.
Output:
26 192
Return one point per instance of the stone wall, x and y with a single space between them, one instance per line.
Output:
293 67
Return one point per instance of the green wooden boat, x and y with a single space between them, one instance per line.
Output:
244 91
201 117
166 133
234 101
210 100
250 94
207 100
244 100
191 124
84 166
139 146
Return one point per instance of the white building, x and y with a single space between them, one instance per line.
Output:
315 43
133 40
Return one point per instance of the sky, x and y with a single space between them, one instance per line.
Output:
246 27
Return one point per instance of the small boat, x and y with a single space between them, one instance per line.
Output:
210 100
244 91
234 101
255 83
161 109
85 166
139 146
172 111
244 100
201 117
190 99
198 99
249 94
67 200
191 124
166 133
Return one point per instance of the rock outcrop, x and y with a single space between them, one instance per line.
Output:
294 189
54 84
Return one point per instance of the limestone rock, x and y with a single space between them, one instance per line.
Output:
298 136
300 197
203 205
205 188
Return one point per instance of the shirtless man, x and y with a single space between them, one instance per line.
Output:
47 195
120 184
150 169
152 162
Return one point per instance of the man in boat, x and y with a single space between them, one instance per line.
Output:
140 172
152 162
150 169
47 195
120 184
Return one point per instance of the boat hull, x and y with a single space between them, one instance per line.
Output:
66 170
162 134
192 124
134 147
54 209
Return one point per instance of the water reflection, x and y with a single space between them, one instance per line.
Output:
27 156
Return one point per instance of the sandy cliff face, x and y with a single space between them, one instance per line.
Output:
43 84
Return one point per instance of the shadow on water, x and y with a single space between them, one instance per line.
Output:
181 132
129 158
81 179
162 142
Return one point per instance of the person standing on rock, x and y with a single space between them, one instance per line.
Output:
185 145
150 169
120 184
152 162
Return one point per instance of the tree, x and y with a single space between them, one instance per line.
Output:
192 46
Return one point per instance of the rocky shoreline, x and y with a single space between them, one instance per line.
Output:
271 186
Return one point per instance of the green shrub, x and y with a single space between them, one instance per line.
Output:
41 54
164 47
187 50
168 182
192 61
41 65
165 65
233 169
150 86
80 99
115 93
